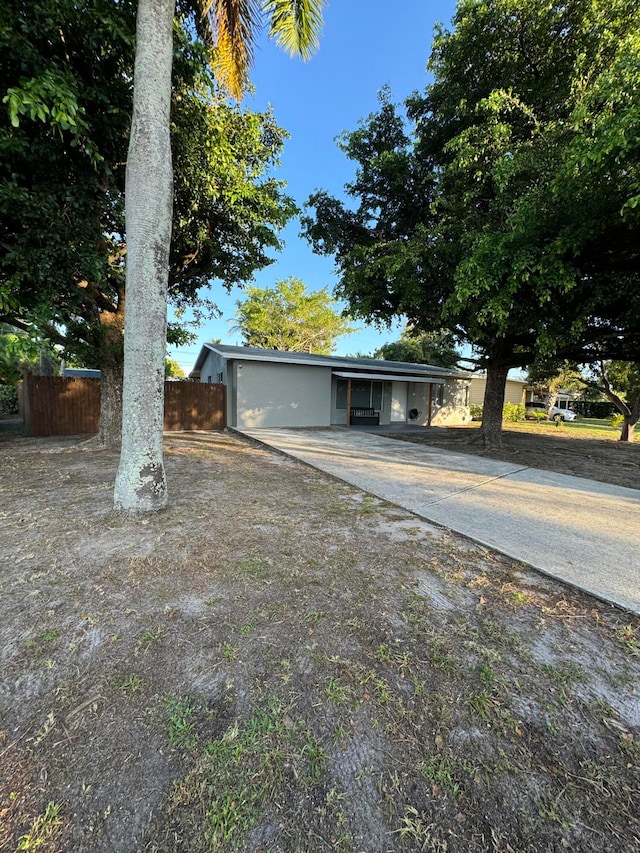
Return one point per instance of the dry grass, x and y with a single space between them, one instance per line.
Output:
275 663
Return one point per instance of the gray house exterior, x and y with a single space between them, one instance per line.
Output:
272 388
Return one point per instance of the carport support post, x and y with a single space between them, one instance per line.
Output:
348 402
430 403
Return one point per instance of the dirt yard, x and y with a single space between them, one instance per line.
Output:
279 662
557 448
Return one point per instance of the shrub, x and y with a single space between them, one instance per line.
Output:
476 412
513 412
8 400
617 420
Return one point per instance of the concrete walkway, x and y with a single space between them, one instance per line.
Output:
578 531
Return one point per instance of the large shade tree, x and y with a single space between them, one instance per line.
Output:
505 207
64 133
141 481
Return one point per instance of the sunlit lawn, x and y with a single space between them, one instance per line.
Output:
584 428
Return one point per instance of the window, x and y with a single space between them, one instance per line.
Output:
220 378
365 393
440 395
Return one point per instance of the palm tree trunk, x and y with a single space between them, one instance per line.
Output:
141 484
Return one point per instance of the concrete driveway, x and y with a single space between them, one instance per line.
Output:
578 531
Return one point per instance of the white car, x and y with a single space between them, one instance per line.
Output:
556 414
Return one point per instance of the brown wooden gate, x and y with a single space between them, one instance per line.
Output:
194 405
54 405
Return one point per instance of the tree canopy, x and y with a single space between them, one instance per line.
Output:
64 132
19 353
435 348
502 205
287 317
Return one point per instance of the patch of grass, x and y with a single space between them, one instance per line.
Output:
382 691
553 810
440 655
630 748
481 703
442 771
628 639
315 616
336 692
316 757
131 685
229 652
181 721
149 637
565 673
422 834
256 568
517 597
43 830
491 656
42 643
387 654
239 774
486 674
369 505
383 653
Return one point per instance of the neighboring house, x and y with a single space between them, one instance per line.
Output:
273 388
79 372
515 391
563 401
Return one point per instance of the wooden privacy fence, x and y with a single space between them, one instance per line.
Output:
53 405
194 405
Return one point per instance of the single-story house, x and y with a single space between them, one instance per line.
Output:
78 372
273 388
563 400
515 390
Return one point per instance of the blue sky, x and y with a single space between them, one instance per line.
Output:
366 44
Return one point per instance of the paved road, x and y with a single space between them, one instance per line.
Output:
579 531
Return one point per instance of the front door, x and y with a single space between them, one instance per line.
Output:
398 402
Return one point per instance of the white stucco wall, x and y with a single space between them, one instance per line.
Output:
286 395
214 369
399 400
454 409
418 398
